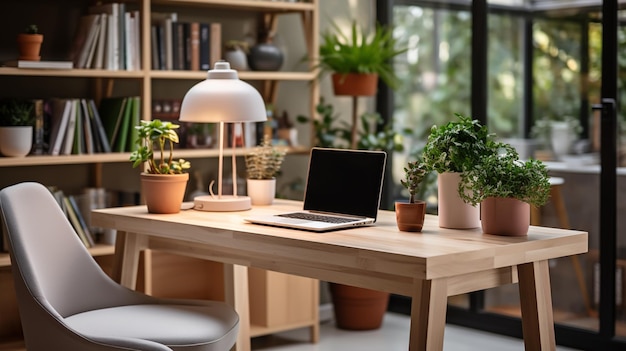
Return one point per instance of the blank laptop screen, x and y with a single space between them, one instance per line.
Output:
345 181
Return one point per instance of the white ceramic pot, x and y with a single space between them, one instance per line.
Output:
453 212
562 138
16 141
261 191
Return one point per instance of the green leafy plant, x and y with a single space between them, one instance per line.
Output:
374 134
359 52
31 29
414 174
458 145
542 128
15 113
161 136
503 174
264 161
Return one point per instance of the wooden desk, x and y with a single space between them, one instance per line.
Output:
428 266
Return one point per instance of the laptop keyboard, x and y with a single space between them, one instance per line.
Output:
317 217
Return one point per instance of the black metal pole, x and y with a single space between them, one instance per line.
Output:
608 158
479 60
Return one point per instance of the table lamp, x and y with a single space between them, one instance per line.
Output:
222 98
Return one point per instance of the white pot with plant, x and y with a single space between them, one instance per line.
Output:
16 128
263 164
506 187
163 181
452 149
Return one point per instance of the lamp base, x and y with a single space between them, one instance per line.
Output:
223 204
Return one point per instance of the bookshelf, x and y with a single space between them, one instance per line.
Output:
58 23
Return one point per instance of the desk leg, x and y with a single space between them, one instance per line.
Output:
127 248
536 303
428 315
236 294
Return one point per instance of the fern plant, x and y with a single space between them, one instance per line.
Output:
264 161
503 174
360 52
458 145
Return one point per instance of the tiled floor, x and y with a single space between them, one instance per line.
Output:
394 335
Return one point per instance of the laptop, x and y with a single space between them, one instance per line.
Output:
343 190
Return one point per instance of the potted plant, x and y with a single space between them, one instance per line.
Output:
16 127
410 215
450 150
163 181
29 43
506 187
356 61
557 134
263 164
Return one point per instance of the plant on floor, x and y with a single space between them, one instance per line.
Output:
161 136
374 134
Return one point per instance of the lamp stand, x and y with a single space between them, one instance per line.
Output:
223 203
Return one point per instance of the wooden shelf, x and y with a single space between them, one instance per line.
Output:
98 250
245 5
121 157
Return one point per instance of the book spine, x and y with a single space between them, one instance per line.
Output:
215 43
194 47
204 46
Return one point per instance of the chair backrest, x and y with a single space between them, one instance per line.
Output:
49 259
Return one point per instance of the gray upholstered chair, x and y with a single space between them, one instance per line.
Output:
67 302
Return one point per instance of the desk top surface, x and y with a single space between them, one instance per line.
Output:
435 252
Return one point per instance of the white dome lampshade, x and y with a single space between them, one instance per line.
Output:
222 98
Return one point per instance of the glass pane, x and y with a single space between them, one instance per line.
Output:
560 64
435 79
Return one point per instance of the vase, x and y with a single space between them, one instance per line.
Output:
16 141
505 216
562 137
261 191
265 56
453 212
237 59
410 216
164 193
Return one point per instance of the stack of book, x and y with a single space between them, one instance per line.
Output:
75 127
108 38
178 45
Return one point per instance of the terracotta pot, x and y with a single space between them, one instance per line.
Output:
354 84
164 193
29 46
410 216
358 308
453 212
505 216
261 191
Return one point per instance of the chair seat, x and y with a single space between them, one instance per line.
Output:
182 327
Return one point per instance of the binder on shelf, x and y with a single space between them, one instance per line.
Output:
133 133
98 127
78 147
89 138
59 118
68 141
205 34
73 217
112 112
